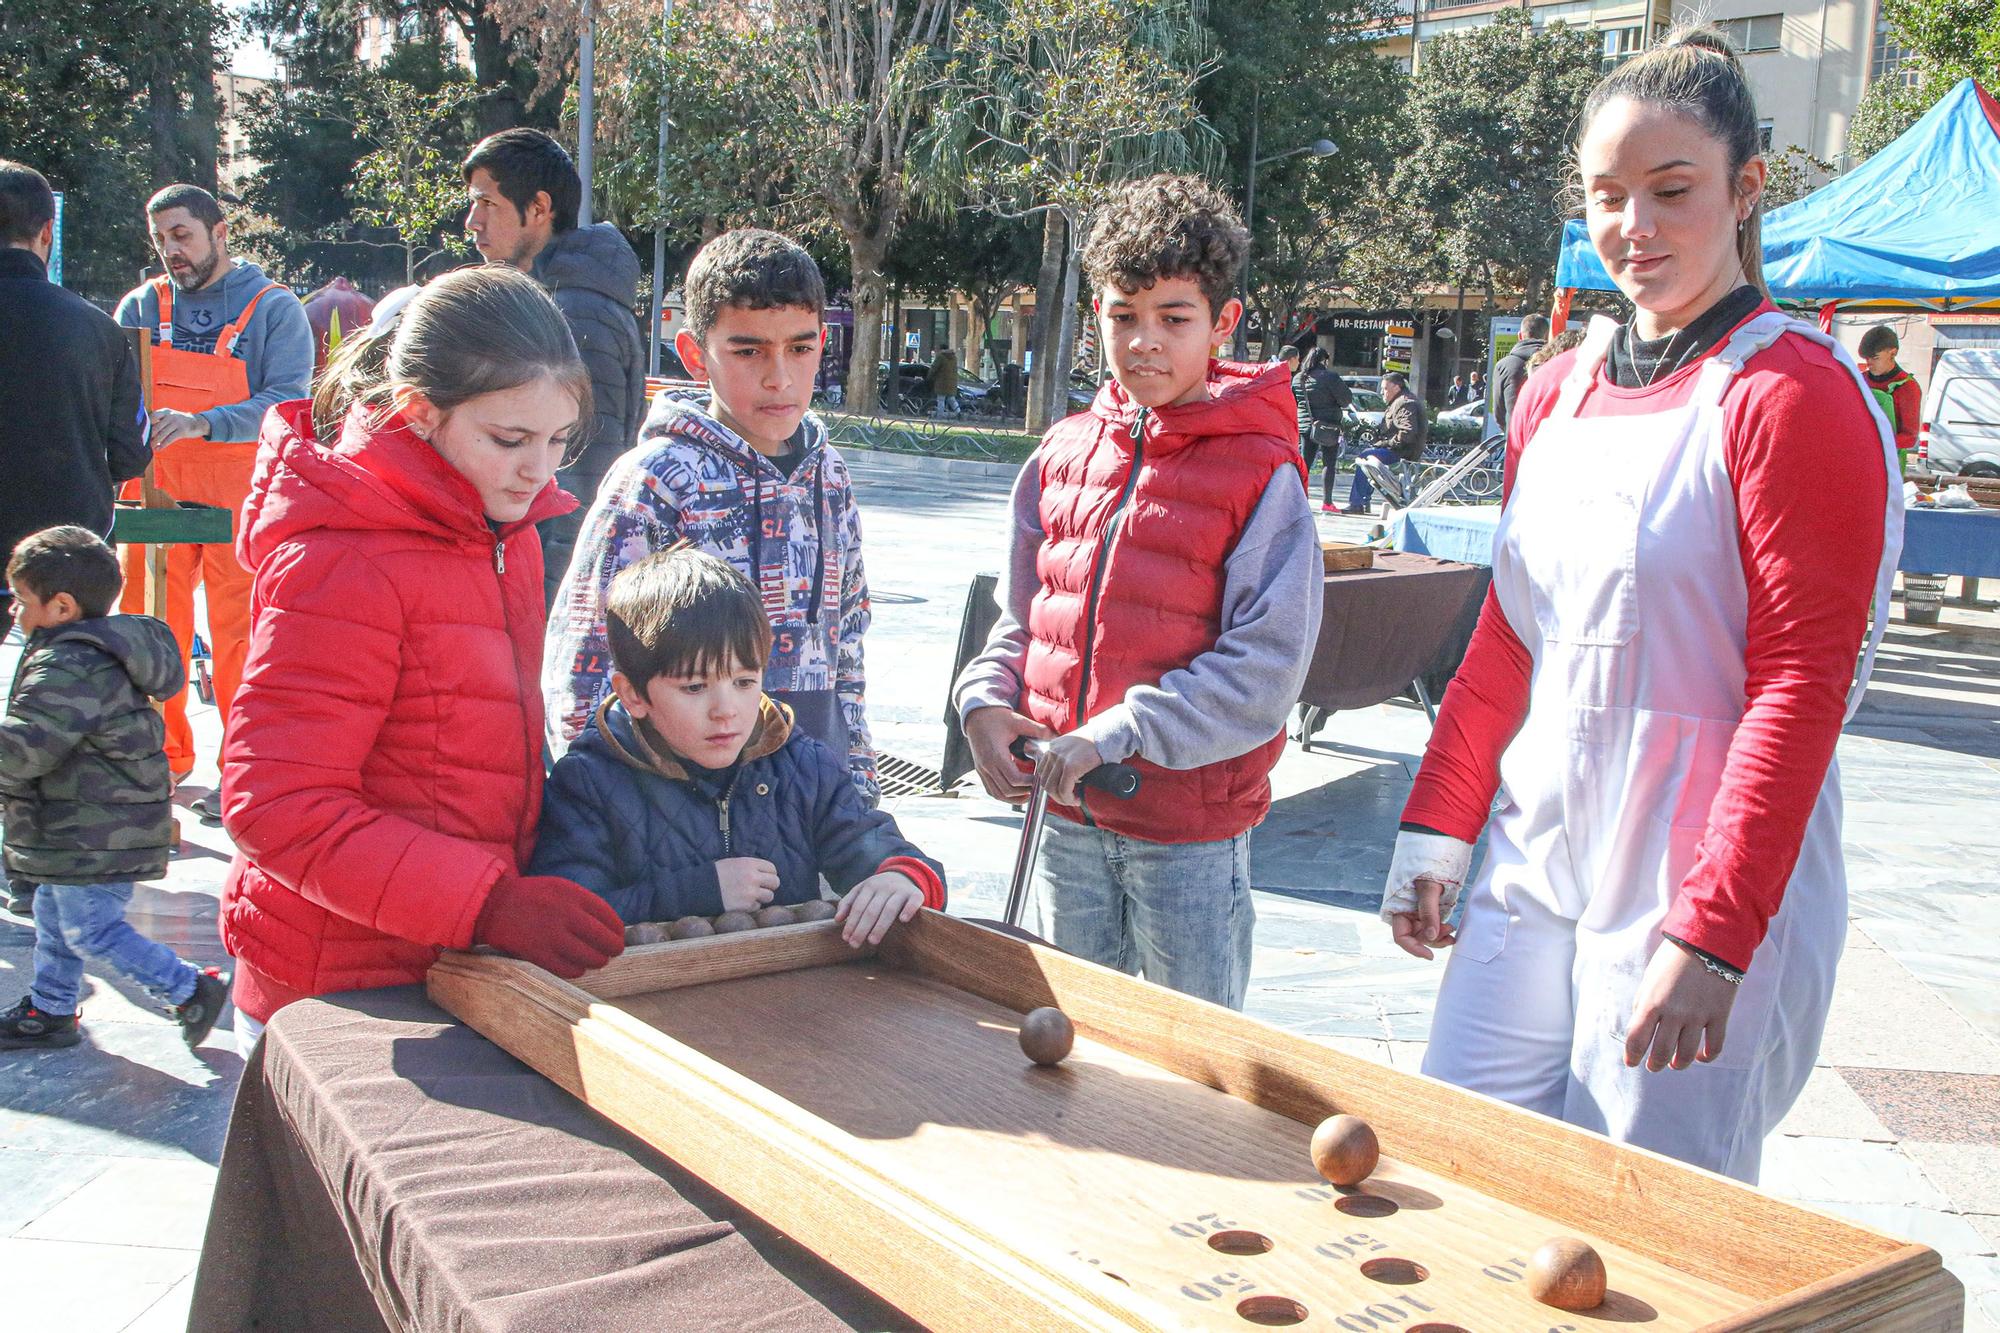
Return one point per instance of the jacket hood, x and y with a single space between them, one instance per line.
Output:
596 258
689 416
1242 400
373 478
145 647
613 731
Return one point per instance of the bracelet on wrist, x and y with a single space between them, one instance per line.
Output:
1710 962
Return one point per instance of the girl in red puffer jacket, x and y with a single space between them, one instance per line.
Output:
383 770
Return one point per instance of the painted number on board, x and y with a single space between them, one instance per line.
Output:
1383 1315
1201 1226
1509 1271
1222 1284
1349 1246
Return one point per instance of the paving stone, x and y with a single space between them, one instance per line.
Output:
1829 1108
1884 1018
1827 1171
32 1182
1942 1108
81 1288
169 1314
154 1204
1968 1173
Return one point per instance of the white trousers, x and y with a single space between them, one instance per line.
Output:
1534 1010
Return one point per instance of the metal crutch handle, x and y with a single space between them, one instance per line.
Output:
1120 780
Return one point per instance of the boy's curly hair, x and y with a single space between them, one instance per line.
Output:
1168 227
754 269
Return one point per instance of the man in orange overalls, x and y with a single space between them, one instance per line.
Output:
228 344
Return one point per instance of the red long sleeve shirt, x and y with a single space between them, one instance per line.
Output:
1810 486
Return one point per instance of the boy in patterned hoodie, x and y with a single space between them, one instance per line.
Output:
84 787
747 475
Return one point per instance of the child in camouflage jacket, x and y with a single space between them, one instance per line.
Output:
85 795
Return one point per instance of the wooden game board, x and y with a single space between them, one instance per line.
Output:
879 1109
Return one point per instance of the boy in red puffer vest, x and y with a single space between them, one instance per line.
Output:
1160 607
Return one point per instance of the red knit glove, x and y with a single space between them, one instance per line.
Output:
551 922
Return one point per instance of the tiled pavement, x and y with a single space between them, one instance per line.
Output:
107 1151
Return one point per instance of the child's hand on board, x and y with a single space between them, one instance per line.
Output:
875 904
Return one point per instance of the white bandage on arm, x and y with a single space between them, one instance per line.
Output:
1425 856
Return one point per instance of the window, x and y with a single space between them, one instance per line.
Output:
1887 59
1764 128
1620 45
1754 34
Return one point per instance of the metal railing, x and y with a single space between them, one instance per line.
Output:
930 437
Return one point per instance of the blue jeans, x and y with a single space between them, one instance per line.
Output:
1360 495
78 921
1178 914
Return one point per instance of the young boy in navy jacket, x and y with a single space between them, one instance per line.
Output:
689 793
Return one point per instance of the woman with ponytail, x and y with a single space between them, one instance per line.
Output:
383 771
1662 670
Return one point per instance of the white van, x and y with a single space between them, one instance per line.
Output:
1962 413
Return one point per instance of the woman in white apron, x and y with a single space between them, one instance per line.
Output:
1699 525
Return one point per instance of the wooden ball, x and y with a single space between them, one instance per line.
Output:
775 916
819 909
690 928
1567 1274
731 922
646 932
1047 1035
1345 1149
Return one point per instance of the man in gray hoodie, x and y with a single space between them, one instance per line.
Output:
524 194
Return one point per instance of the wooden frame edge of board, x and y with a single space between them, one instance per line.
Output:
803 1179
1652 1203
751 953
1907 1291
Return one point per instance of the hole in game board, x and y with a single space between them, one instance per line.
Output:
1436 1328
1240 1242
1272 1311
1366 1205
1395 1272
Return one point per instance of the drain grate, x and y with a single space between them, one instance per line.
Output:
905 777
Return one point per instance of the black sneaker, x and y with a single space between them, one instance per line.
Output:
197 1014
21 897
26 1028
208 809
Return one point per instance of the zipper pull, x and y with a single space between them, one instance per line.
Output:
1139 425
722 817
500 557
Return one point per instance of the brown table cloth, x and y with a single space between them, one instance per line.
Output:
388 1168
1408 618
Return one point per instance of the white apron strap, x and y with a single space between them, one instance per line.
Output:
1753 338
1590 355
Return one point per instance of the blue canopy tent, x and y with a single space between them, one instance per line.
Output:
1914 225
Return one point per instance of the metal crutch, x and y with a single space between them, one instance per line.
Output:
1120 780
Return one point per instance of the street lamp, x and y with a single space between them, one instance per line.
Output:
1318 148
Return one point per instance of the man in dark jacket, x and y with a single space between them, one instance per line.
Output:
1405 428
1512 371
524 196
69 385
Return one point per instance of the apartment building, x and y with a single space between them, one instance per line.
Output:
1809 61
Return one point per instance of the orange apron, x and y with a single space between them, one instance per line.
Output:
209 472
